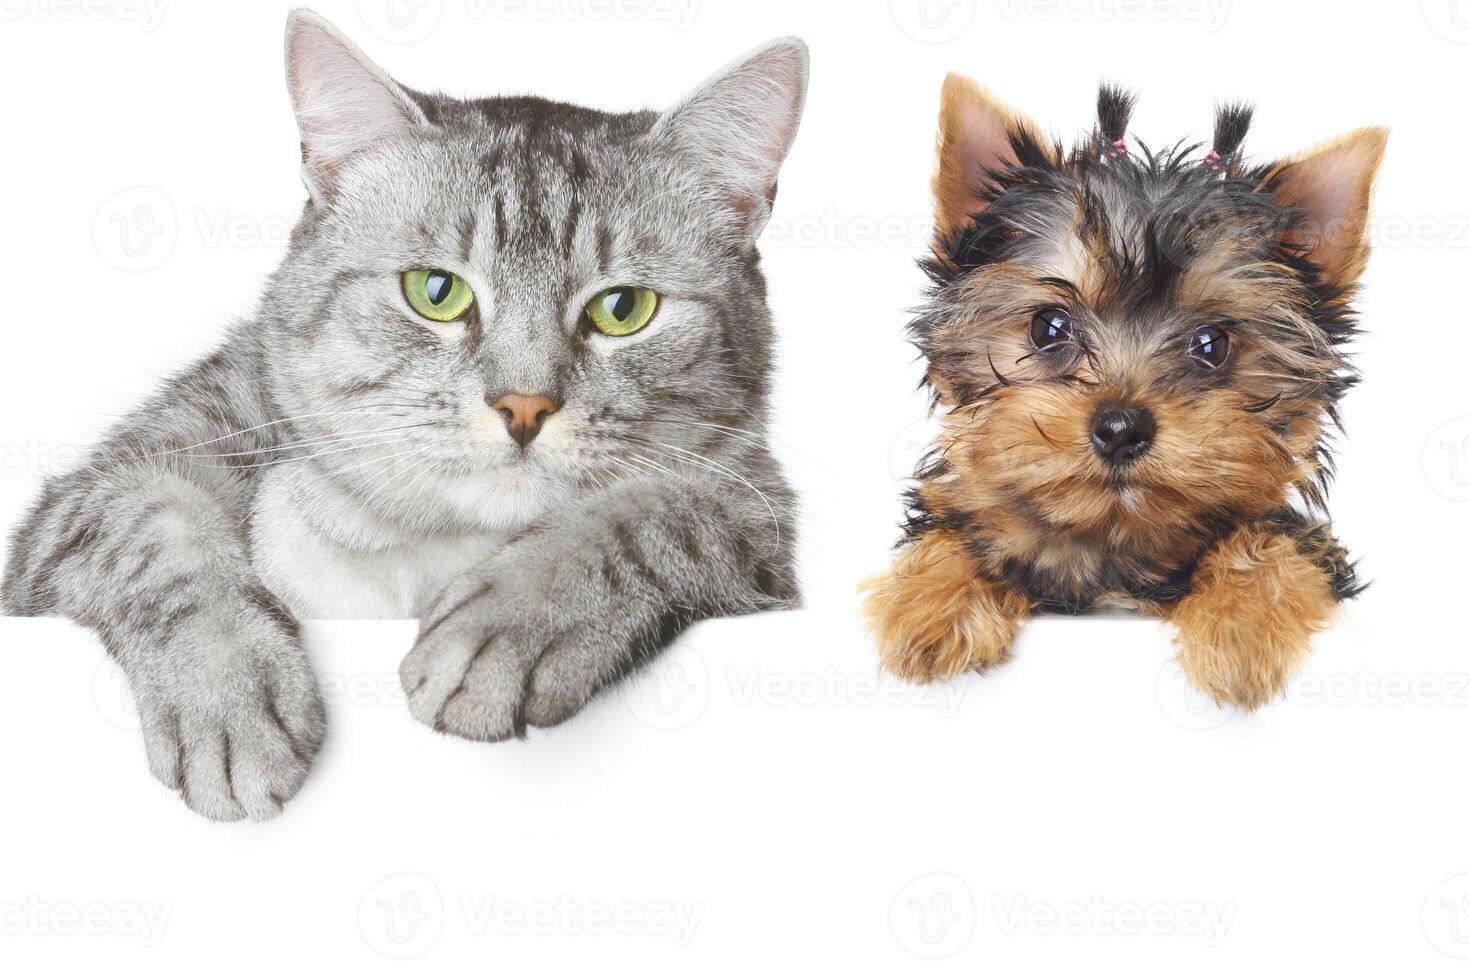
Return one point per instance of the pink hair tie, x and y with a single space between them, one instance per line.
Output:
1117 149
1212 161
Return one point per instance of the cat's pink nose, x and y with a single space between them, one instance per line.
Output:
524 415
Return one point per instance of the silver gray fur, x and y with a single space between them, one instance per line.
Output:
337 441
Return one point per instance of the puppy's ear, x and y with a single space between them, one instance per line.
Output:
344 103
1331 188
978 136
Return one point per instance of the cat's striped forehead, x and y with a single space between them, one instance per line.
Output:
537 192
538 207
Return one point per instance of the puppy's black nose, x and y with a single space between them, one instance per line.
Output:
1122 433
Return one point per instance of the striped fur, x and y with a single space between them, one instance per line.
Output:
338 454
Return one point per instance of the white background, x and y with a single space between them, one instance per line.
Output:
758 802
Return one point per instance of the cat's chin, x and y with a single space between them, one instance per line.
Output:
506 496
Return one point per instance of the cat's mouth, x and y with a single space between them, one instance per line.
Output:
514 438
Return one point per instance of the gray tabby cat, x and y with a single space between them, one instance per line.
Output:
511 379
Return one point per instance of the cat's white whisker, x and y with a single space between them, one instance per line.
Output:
307 443
335 451
371 410
708 463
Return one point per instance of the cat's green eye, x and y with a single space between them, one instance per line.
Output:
436 294
622 310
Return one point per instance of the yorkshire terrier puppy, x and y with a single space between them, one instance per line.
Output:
1137 357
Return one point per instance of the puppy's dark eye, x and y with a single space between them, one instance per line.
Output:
1209 344
1052 328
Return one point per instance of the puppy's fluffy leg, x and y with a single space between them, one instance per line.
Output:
934 616
1245 629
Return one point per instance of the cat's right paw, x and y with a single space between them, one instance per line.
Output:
231 724
468 672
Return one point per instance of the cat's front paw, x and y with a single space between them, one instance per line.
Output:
232 721
493 658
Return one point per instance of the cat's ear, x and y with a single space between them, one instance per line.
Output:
344 103
739 125
1331 188
978 136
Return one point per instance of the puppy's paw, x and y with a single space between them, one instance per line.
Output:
933 616
1245 628
233 724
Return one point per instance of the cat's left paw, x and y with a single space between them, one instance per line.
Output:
493 659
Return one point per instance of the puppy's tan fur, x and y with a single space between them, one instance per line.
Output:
1245 629
934 614
1017 512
